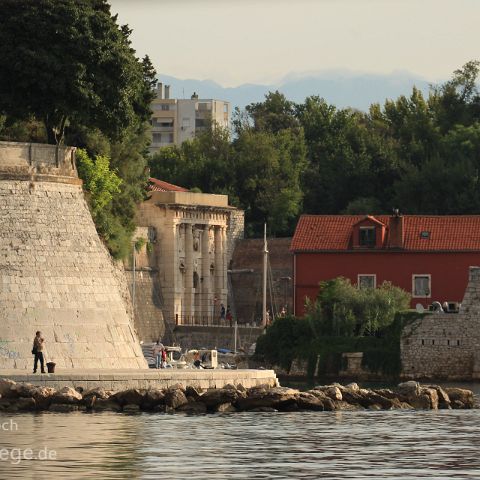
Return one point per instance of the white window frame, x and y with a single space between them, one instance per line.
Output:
429 276
374 275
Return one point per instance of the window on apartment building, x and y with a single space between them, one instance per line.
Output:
421 285
185 123
165 106
166 124
200 123
156 137
367 237
170 138
366 281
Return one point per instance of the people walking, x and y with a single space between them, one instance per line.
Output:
229 316
37 350
222 313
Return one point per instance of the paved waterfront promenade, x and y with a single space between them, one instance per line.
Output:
164 378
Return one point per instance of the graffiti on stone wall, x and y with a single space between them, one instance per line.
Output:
5 351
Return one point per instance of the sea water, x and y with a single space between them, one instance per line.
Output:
397 444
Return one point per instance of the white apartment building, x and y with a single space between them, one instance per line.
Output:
175 120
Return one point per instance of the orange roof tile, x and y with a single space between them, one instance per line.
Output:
156 185
445 233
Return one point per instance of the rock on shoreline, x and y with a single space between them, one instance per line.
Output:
16 397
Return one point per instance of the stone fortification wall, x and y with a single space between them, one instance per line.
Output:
235 231
55 274
446 346
149 322
30 161
247 286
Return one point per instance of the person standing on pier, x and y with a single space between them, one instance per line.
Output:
222 313
157 354
37 350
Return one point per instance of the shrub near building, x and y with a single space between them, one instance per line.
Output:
343 318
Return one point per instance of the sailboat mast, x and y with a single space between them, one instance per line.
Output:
265 264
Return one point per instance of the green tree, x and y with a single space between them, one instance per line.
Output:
348 158
268 182
447 183
205 162
104 189
343 310
457 101
68 62
273 115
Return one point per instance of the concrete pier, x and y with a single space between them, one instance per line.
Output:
163 378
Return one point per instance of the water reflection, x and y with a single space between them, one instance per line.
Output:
397 444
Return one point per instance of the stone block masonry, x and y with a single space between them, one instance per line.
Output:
210 337
446 346
122 379
55 274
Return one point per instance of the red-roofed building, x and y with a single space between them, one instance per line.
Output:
428 256
156 185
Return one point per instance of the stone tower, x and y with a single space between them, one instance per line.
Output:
55 274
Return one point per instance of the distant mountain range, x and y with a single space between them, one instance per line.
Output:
341 88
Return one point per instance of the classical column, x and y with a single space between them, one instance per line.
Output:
224 266
188 297
218 269
207 298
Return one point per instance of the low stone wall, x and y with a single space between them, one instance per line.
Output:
122 380
216 337
27 160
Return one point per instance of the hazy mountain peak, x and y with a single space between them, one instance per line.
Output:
341 87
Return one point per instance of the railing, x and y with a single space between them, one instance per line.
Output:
209 321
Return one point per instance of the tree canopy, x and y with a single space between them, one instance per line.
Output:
418 153
260 170
69 62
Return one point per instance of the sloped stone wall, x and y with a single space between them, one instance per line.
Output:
446 346
149 322
56 276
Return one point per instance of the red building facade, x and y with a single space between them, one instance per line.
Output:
428 256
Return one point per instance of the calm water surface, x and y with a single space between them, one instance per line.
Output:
346 445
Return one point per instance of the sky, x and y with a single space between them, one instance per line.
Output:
262 41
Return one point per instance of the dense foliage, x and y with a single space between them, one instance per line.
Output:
68 62
69 74
421 155
342 309
342 319
260 171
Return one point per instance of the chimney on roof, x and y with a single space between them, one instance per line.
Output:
396 230
167 92
160 90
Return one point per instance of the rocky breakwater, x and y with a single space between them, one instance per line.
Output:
409 395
